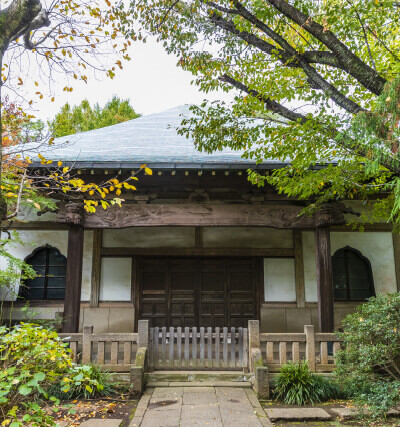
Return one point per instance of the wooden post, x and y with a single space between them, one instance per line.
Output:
310 346
72 302
143 333
396 251
87 344
96 265
324 279
299 268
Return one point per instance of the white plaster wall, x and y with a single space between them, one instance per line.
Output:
87 265
376 246
246 237
31 214
59 239
115 279
279 280
147 237
32 239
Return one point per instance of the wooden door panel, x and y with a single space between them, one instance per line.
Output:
209 292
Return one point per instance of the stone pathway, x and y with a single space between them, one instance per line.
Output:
199 406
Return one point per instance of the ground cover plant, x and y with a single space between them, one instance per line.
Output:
36 372
369 363
296 384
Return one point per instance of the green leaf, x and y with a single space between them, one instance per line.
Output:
24 390
40 376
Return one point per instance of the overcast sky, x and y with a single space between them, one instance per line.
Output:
151 80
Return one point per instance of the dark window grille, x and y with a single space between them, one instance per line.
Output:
49 284
352 275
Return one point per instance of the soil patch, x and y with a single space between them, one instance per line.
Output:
106 408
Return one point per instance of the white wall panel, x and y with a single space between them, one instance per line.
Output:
376 246
115 279
279 280
246 237
147 237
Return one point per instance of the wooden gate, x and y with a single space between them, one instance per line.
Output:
198 348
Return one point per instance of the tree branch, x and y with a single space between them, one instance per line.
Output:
350 62
347 143
287 55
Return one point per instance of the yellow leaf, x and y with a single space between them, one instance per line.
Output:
148 171
65 169
37 206
118 192
59 163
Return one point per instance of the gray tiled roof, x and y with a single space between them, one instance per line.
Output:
150 139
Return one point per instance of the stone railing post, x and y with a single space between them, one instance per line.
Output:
254 342
87 344
310 346
143 333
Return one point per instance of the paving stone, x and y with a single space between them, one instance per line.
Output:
240 419
102 422
168 419
199 398
170 392
195 389
350 413
164 403
198 422
206 413
189 384
297 414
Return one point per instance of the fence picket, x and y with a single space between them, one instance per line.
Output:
245 349
324 352
209 347
233 347
282 353
217 349
163 345
73 345
240 344
171 346
202 347
194 346
270 352
179 345
114 352
225 347
127 352
187 337
156 356
295 351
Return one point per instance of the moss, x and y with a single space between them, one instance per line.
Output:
140 356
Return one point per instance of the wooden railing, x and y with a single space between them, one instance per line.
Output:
198 348
318 349
205 348
111 351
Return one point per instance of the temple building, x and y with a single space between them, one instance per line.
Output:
196 245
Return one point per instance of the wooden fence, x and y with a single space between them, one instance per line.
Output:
198 348
276 349
112 351
205 348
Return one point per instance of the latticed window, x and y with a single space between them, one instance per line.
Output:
352 275
50 266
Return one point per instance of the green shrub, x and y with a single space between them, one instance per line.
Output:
297 385
85 381
36 367
369 363
32 359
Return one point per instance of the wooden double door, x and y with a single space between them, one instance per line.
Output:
198 291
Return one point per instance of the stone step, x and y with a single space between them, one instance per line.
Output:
198 376
297 414
242 384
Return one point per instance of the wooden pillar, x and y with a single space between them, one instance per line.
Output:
96 266
324 279
396 251
72 302
299 268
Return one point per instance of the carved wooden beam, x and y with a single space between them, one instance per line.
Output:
204 214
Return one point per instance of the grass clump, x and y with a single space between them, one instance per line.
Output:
297 385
